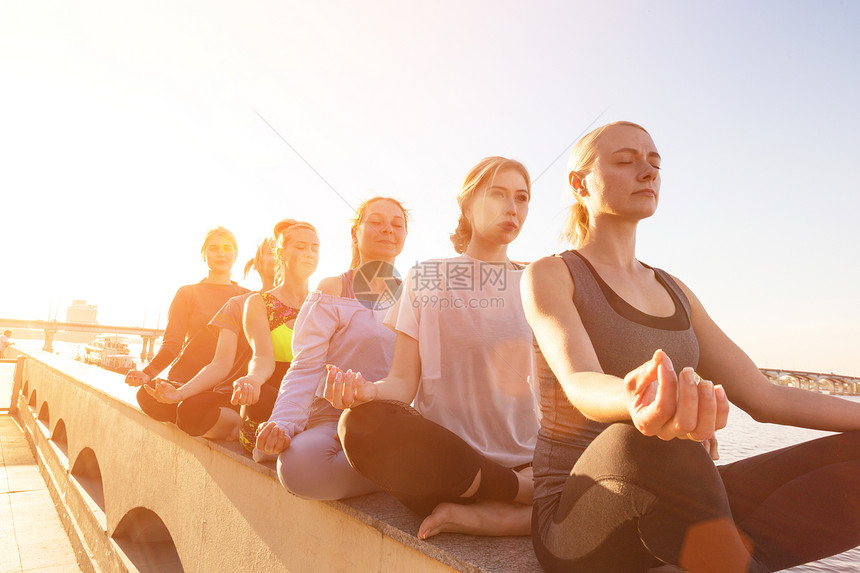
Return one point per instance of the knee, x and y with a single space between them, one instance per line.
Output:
358 425
155 409
650 456
637 445
292 473
195 420
303 475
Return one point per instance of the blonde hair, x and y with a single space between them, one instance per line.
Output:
283 230
215 232
267 246
477 178
581 162
360 214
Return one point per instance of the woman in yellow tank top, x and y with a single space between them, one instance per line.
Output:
268 323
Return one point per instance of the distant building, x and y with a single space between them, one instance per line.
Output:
79 311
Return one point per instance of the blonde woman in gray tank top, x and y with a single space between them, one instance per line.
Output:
634 377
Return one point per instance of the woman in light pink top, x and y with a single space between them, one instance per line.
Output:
460 456
340 326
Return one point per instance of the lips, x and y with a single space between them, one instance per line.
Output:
648 192
509 226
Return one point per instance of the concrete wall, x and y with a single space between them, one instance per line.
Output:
137 494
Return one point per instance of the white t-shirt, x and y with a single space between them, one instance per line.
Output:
477 358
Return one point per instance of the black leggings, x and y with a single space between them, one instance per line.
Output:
630 499
418 461
194 416
197 414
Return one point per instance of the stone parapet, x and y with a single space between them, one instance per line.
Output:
136 494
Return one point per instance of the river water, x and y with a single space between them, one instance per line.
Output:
743 437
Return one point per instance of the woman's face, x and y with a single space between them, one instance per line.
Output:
625 178
219 254
301 253
382 232
268 263
497 212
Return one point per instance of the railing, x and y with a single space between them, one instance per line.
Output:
140 495
814 381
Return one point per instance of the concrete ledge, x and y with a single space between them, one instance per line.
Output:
137 494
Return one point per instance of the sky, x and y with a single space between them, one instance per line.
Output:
127 129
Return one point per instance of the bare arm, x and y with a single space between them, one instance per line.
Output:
547 292
218 369
651 396
246 390
723 361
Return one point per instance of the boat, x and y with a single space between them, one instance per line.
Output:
109 352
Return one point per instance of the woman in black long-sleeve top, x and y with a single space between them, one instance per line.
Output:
194 305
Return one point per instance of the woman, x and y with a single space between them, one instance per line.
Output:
268 323
621 483
191 310
264 262
463 357
335 327
201 407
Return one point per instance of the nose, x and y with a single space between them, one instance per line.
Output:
649 172
386 228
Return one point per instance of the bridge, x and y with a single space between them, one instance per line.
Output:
816 382
51 327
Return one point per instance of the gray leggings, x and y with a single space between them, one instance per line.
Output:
314 466
630 500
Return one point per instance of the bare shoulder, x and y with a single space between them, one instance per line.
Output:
546 283
546 267
547 272
254 301
331 285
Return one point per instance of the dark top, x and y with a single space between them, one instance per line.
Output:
192 308
623 339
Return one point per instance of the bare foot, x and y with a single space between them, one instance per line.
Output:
485 517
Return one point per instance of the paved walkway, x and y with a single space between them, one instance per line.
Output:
32 539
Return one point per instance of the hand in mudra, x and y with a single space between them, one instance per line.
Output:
164 392
668 406
271 439
347 389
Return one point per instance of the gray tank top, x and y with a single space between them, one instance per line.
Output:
623 338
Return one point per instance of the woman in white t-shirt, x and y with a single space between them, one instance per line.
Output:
463 357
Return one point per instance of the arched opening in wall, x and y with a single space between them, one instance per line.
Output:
88 475
26 388
147 543
44 415
61 440
32 401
